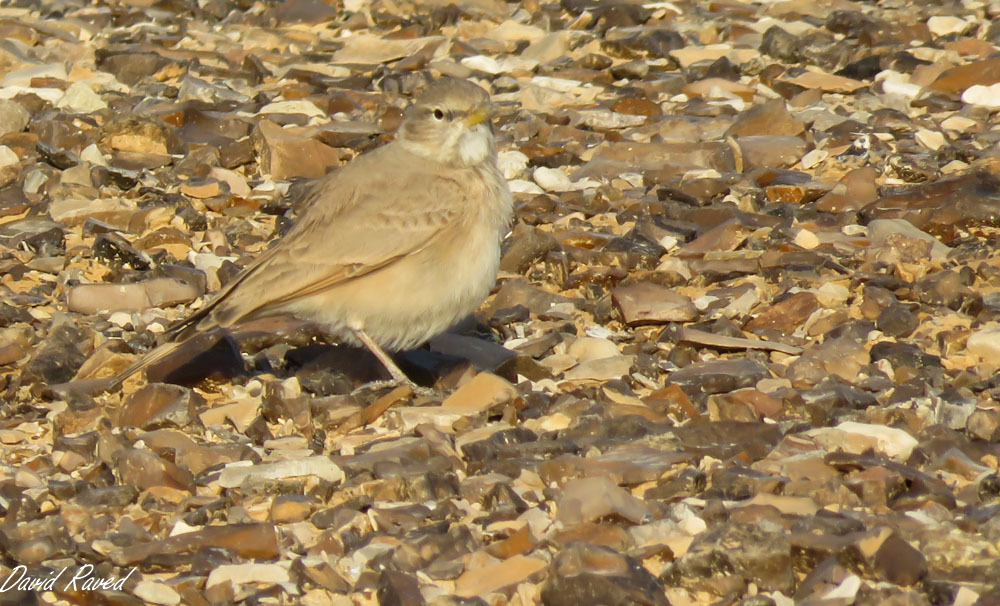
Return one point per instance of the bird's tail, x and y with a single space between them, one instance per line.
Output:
155 355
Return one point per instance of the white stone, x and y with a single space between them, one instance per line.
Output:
548 48
602 369
831 294
795 28
156 593
237 184
93 154
24 76
180 527
7 157
944 25
958 123
814 157
674 264
847 590
742 305
592 348
854 437
320 466
80 98
806 239
298 106
511 163
692 526
985 343
240 574
669 242
520 186
898 87
553 422
120 318
984 96
606 119
561 85
483 63
955 166
553 179
49 94
770 385
931 139
512 31
965 597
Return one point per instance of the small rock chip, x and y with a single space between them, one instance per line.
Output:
649 303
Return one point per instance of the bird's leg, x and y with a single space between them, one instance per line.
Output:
397 375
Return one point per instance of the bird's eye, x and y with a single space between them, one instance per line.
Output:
438 114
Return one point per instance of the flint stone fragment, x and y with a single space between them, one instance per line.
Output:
781 45
645 303
322 467
784 316
778 151
57 359
840 356
498 576
146 470
959 78
904 354
130 68
114 248
896 321
483 392
527 245
701 337
854 437
771 118
81 98
718 376
898 562
587 499
159 292
76 211
518 292
37 234
880 229
942 288
484 355
139 135
942 207
591 574
758 553
13 117
159 405
985 343
290 152
398 589
984 424
237 575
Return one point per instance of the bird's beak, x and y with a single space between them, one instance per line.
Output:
483 112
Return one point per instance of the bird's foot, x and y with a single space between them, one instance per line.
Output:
383 384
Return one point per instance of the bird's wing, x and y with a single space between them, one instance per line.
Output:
362 218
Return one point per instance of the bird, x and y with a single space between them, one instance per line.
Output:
392 248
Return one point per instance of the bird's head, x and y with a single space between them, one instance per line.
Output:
450 122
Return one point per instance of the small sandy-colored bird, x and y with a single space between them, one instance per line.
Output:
393 248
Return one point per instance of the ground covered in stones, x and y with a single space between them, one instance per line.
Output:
744 346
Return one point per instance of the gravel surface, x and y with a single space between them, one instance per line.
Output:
743 348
